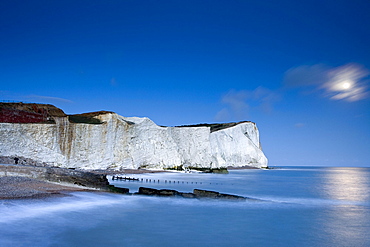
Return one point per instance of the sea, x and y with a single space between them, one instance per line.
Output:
290 206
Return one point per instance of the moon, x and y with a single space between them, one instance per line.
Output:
346 85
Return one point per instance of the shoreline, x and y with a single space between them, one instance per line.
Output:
22 187
144 171
126 171
243 168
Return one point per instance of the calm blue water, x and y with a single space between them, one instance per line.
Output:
299 206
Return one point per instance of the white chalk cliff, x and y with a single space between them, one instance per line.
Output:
131 142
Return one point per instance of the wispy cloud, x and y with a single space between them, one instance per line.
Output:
306 75
235 102
49 99
348 82
15 96
238 104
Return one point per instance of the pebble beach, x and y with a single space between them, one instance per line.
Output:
27 188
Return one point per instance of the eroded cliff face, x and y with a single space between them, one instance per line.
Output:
130 142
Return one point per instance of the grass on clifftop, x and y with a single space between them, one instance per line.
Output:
87 118
215 126
83 119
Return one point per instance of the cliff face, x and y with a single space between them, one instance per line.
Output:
118 142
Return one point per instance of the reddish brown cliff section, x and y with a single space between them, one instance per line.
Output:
28 113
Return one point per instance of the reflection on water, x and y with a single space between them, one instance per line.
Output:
350 184
347 224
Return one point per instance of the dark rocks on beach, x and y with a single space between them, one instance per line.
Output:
216 195
114 189
86 179
231 197
205 193
197 193
147 191
168 192
186 195
155 192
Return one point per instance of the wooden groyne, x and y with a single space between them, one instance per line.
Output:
100 181
124 178
165 181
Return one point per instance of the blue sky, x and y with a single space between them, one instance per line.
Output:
299 69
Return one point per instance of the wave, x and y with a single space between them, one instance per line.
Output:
12 210
15 210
